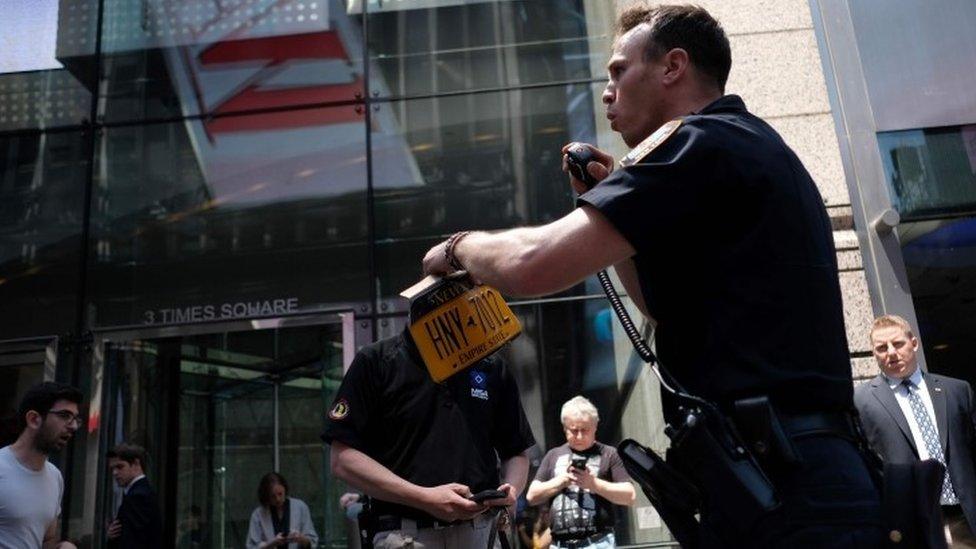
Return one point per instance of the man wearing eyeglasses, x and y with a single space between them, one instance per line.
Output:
31 487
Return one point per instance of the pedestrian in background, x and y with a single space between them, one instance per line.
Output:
280 520
31 487
581 481
910 415
138 523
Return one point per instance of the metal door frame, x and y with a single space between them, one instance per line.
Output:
356 333
49 344
857 134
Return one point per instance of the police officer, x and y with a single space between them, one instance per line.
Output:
419 449
718 232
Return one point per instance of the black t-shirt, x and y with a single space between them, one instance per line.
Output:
736 261
428 433
574 514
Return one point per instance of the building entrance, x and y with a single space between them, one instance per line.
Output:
217 407
22 364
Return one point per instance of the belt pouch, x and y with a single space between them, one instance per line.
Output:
707 450
765 436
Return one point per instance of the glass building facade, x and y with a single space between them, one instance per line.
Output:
907 130
207 207
931 176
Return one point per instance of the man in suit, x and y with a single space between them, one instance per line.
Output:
909 415
137 524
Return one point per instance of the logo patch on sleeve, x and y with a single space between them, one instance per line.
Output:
339 410
479 384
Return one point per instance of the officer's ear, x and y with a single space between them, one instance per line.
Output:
676 63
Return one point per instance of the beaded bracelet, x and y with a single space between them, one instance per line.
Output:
452 259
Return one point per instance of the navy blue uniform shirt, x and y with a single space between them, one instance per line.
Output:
736 261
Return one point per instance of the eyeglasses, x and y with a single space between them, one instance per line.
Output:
67 417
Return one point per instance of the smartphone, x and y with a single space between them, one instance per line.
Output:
578 462
486 495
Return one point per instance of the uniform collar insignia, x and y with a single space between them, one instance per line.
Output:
652 142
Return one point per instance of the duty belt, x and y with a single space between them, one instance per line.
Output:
837 424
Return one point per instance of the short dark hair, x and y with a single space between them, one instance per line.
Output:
128 453
267 482
42 396
690 28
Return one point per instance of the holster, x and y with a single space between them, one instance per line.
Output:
708 465
736 492
674 496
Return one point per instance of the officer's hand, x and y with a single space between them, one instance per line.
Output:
435 261
583 479
449 502
599 168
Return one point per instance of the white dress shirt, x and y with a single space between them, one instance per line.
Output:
901 396
125 491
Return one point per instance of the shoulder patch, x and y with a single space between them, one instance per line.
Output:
339 410
652 142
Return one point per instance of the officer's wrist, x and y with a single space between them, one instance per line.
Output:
450 250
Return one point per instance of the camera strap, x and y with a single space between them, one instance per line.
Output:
501 518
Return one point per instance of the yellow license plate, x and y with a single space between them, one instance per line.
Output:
463 331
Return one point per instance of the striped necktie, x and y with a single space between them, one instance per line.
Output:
931 438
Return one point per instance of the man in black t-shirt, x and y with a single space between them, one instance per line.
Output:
581 499
719 234
419 449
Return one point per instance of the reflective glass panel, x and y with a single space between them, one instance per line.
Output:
172 58
931 172
424 48
940 261
226 408
474 161
236 217
22 365
47 67
42 186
